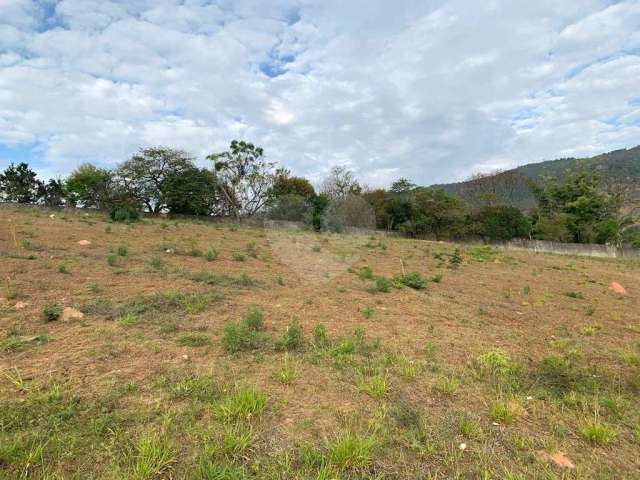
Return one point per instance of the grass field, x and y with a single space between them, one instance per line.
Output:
221 352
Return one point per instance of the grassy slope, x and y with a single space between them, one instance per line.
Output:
142 388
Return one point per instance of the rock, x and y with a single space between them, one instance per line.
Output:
185 357
559 459
71 314
20 305
84 242
615 287
53 215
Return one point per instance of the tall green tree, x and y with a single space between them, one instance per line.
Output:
90 186
18 183
52 193
502 222
191 191
244 178
287 184
437 213
144 175
577 209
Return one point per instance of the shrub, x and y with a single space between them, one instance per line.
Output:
62 268
51 312
244 335
456 259
413 280
365 273
122 213
253 319
122 250
239 257
211 255
381 285
292 338
495 362
112 260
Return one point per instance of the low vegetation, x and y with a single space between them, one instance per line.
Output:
365 358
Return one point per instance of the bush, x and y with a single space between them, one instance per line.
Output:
244 335
51 312
495 362
413 280
123 213
253 319
292 338
382 285
365 273
211 254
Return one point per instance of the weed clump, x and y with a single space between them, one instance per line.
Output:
495 362
193 340
365 273
242 404
51 312
381 285
244 335
292 338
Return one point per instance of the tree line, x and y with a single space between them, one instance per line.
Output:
242 183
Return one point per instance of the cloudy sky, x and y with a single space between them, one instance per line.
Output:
427 89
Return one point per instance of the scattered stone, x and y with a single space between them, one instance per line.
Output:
559 459
615 287
168 250
84 242
20 305
462 446
53 215
71 314
185 357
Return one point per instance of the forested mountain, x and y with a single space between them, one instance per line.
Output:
619 170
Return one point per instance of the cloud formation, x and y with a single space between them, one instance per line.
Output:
428 89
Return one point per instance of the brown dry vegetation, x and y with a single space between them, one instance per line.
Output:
142 387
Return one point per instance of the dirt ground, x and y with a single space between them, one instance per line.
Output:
155 304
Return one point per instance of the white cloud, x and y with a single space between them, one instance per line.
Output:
430 90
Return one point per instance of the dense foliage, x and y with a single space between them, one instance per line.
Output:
573 207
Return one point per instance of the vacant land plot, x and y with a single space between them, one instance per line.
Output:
188 350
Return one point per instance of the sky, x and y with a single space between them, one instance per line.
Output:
425 89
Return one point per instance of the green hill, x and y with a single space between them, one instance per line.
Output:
619 169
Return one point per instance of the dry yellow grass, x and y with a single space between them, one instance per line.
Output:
124 359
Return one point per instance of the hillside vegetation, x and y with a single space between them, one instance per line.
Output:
166 349
620 168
